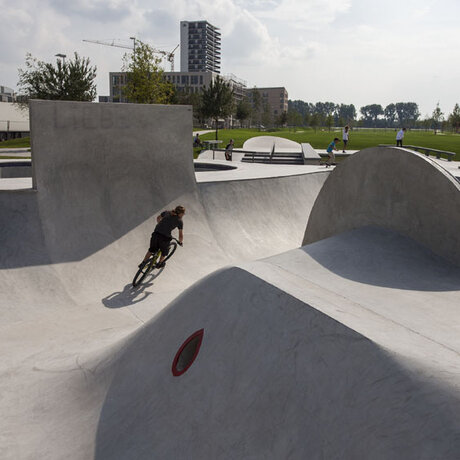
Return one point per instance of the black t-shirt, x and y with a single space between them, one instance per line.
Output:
168 223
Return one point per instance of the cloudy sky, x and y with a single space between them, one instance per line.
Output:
343 51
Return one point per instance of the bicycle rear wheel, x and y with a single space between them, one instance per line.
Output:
145 269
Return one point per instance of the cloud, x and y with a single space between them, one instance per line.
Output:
307 14
101 11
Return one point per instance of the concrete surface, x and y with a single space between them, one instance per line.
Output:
299 361
373 188
341 348
265 144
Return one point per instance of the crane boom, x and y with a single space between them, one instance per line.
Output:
168 55
109 43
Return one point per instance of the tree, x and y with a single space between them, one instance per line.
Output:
294 118
329 122
67 80
345 112
267 117
217 101
145 80
454 118
314 121
282 118
243 111
408 113
256 105
189 97
437 116
390 115
371 113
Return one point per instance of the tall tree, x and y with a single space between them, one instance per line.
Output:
294 118
437 116
256 105
189 97
67 80
145 78
454 118
217 101
390 115
267 116
408 113
243 111
371 113
315 120
346 112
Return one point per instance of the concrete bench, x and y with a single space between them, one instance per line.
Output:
310 155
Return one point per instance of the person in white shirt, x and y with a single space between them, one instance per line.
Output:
345 137
400 137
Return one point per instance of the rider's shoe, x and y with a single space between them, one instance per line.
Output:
161 264
141 264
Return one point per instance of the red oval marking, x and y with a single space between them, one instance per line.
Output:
187 353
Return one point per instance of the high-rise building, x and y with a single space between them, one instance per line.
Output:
200 47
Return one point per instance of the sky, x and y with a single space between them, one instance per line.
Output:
344 51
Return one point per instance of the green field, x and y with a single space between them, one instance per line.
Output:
320 139
23 142
358 139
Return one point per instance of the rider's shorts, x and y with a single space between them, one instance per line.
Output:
161 242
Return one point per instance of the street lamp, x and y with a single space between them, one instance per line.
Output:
62 56
134 43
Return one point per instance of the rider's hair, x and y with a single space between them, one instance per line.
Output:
179 210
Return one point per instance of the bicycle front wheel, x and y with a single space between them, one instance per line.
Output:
171 250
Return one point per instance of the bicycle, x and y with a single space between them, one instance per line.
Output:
146 267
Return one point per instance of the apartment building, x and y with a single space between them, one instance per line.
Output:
276 98
200 45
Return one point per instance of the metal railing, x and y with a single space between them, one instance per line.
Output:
426 150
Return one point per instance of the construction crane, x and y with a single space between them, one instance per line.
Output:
111 42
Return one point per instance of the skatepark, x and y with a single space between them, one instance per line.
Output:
326 301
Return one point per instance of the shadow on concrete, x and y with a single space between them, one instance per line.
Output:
131 295
382 257
128 296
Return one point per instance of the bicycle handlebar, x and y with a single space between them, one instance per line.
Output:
177 241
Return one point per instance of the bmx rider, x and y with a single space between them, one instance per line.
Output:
167 221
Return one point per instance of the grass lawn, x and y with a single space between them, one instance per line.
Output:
23 142
358 139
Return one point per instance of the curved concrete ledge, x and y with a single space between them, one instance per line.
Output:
393 188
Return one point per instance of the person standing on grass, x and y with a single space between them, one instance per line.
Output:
400 137
228 150
197 141
330 151
345 137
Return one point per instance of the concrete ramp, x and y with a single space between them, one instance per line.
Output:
393 188
298 361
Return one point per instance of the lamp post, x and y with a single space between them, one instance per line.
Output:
62 56
134 43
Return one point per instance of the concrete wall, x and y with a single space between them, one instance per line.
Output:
393 188
102 169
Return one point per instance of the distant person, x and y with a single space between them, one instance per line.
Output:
197 141
330 151
228 150
400 137
161 236
345 137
